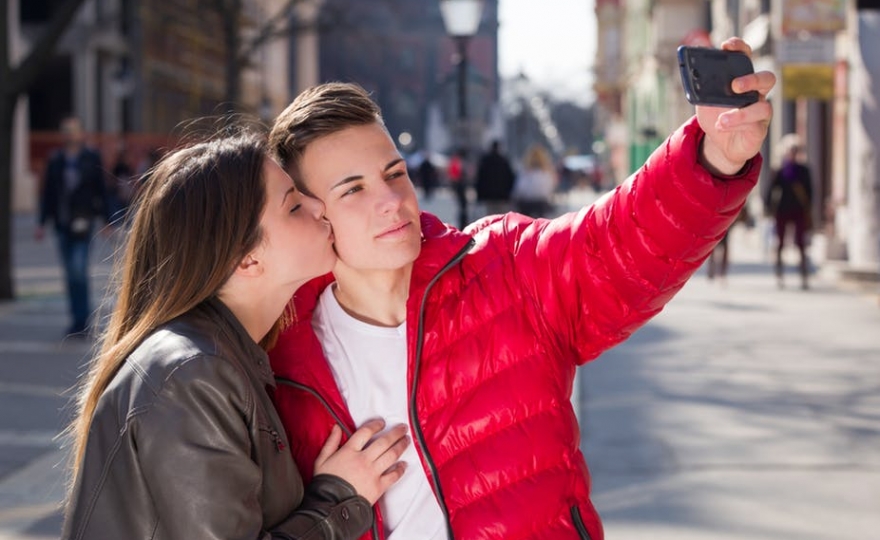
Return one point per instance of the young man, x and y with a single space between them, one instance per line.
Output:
473 337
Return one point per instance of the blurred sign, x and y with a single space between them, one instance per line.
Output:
808 81
815 50
814 16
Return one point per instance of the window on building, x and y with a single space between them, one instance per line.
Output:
37 11
51 96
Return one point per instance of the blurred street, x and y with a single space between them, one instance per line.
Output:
741 412
37 369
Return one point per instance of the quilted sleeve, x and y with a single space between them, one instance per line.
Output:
600 273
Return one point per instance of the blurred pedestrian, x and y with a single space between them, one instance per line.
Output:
176 435
119 185
457 176
535 184
428 176
73 196
789 200
495 179
719 258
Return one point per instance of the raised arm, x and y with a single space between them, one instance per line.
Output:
599 274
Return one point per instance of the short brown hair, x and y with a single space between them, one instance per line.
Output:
317 112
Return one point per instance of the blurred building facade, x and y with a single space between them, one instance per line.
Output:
135 71
826 93
610 86
400 52
145 65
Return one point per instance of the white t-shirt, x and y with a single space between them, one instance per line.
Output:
369 365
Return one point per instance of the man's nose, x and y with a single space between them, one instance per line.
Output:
316 206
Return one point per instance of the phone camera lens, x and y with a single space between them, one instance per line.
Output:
695 73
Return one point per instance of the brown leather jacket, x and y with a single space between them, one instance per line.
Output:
185 444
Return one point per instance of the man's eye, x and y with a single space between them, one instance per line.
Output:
351 191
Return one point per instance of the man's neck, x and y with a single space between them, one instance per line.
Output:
374 297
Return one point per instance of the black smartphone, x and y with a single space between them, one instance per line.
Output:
707 74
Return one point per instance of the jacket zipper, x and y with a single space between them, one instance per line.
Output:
374 528
419 436
413 418
276 438
319 397
579 523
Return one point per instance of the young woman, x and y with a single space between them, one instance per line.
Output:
176 436
536 183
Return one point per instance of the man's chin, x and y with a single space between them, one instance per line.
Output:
380 261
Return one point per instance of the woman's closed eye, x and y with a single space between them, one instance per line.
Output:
295 208
352 190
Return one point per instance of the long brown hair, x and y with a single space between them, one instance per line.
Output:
196 217
538 158
316 112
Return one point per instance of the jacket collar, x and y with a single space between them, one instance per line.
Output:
254 355
440 244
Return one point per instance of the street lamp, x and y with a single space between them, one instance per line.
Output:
462 19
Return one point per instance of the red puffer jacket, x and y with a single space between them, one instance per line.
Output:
496 325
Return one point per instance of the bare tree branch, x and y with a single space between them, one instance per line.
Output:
276 26
22 76
4 45
15 81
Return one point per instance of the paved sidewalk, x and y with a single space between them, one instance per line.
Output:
37 370
742 412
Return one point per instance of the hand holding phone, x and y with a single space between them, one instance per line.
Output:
707 76
733 136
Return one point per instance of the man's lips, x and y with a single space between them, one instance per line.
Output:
396 228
